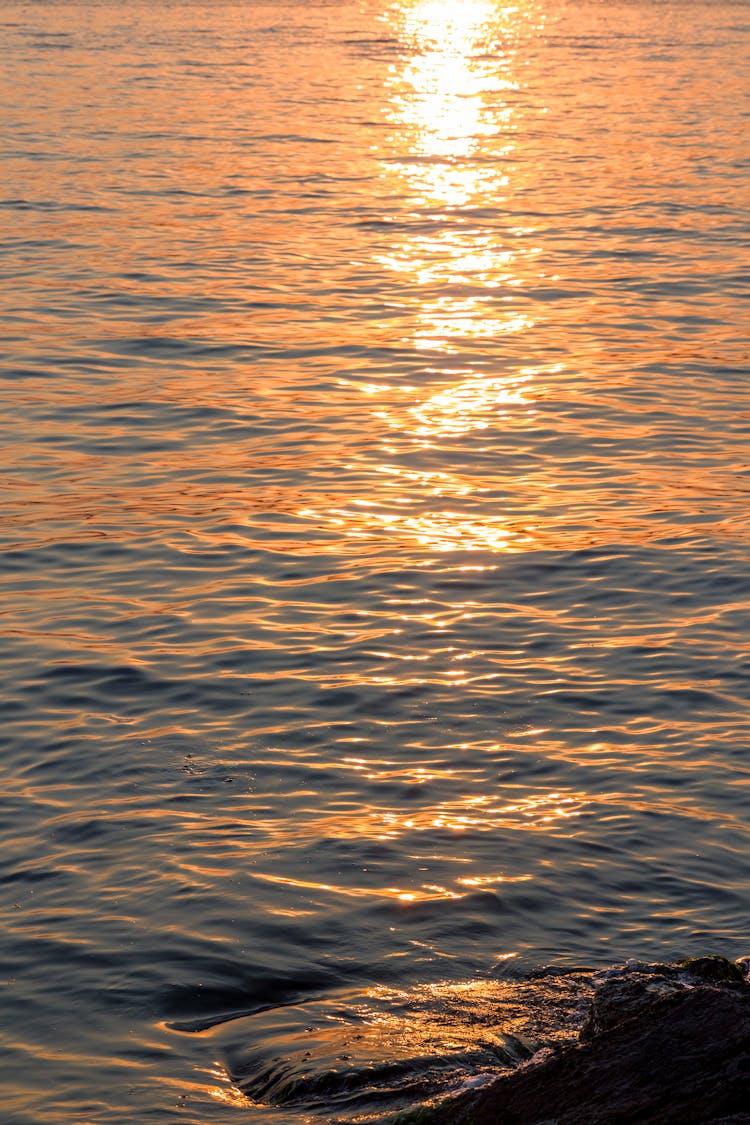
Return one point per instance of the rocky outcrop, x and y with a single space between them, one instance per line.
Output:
662 1045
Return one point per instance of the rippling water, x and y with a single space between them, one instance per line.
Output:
375 541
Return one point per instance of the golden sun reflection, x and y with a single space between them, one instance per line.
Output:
458 276
450 153
437 531
441 823
471 404
427 892
440 92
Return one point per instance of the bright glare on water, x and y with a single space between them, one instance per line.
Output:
375 550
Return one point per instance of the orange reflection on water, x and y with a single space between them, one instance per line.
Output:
449 154
441 96
439 823
427 892
459 271
437 509
471 403
444 530
204 1086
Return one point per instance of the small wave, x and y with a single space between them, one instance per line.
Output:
382 1050
386 1051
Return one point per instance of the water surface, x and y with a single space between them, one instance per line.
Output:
375 542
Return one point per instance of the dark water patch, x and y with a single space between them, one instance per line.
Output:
255 994
51 205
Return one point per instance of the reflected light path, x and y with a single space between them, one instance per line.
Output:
450 120
442 824
455 272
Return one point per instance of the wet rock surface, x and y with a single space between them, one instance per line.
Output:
662 1044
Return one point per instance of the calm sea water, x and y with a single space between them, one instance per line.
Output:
375 573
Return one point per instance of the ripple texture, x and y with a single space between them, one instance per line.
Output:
374 552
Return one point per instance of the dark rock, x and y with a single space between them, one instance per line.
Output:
617 1001
663 1044
713 968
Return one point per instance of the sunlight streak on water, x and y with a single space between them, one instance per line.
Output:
448 117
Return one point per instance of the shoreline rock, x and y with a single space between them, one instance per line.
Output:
662 1045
